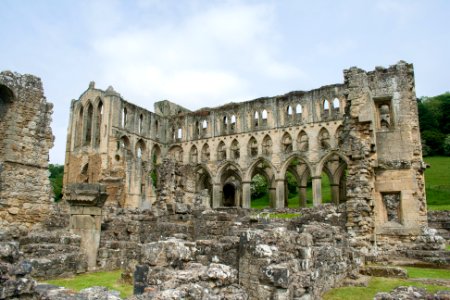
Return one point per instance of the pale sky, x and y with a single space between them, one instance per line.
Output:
208 53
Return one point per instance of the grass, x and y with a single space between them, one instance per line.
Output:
377 284
414 272
111 280
437 182
447 247
293 200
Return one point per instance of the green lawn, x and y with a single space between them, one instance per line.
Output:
111 280
437 180
381 284
437 183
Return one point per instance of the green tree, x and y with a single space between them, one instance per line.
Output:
56 180
258 186
447 145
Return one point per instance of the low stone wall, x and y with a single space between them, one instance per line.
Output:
440 220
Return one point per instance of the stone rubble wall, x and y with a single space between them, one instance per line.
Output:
25 140
440 220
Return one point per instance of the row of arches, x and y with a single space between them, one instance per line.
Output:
88 124
232 186
253 148
140 128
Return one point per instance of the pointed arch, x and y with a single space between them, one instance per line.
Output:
298 109
256 119
264 117
140 149
88 124
235 152
124 117
98 123
339 136
193 155
176 153
286 143
156 155
324 139
302 141
267 145
252 148
206 154
79 127
233 123
221 151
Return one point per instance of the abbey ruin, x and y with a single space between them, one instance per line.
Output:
167 193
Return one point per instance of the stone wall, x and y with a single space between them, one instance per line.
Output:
440 220
25 140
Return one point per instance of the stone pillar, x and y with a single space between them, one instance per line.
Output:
335 193
317 190
279 200
217 195
272 196
246 194
86 201
286 194
302 196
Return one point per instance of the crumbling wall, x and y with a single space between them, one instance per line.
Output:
25 140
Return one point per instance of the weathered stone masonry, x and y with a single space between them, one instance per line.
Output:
25 139
363 134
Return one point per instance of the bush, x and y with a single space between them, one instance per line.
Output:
447 145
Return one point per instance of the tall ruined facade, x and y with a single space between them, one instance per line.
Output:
363 134
25 140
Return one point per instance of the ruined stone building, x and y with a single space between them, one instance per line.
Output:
362 133
139 187
25 140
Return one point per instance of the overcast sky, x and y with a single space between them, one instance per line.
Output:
208 53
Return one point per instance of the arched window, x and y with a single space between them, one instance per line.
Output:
193 155
196 130
264 117
221 151
98 124
289 110
124 117
224 124
267 145
324 139
235 150
298 109
205 153
233 122
286 143
204 124
302 141
179 133
79 128
252 147
336 103
326 110
256 119
140 148
141 122
156 128
88 125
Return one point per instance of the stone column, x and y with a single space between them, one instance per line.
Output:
246 194
217 195
302 196
272 196
317 190
335 193
279 200
86 201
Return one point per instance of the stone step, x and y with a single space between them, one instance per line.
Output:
50 237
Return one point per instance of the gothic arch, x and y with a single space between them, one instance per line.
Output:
156 155
176 153
252 147
206 153
140 149
257 164
221 151
235 151
98 121
88 122
286 143
324 139
267 145
230 178
303 141
193 154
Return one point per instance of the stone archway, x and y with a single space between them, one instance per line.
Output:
229 195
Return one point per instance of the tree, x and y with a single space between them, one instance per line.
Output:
447 145
56 180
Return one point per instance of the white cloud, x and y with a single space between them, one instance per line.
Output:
198 60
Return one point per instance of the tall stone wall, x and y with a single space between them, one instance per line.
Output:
25 140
